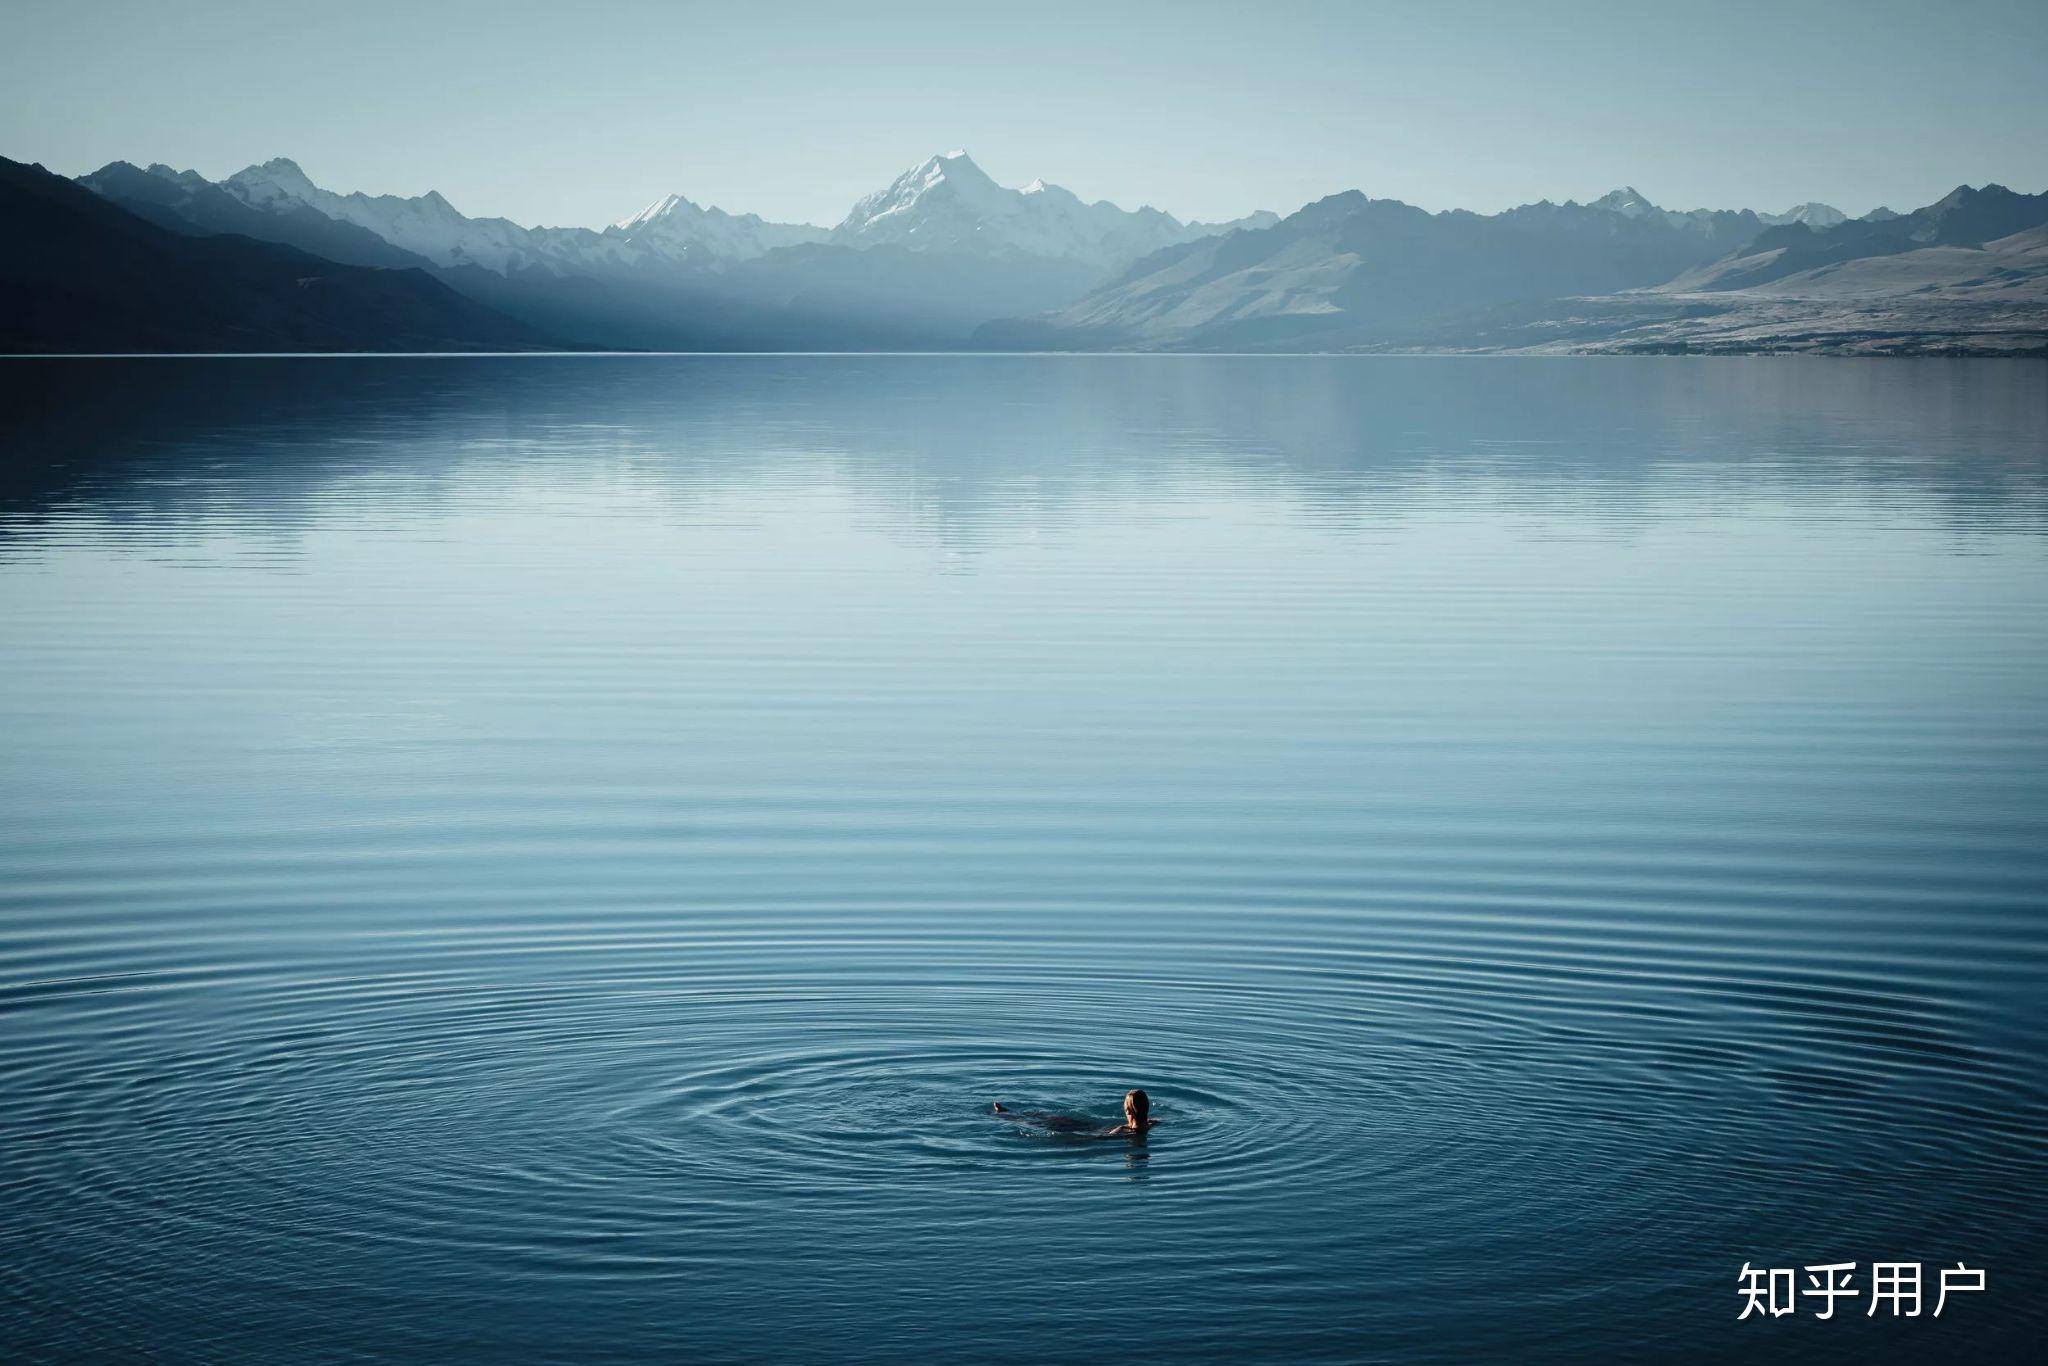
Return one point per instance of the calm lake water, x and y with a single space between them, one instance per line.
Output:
548 859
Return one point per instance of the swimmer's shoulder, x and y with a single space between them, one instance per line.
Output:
1126 1131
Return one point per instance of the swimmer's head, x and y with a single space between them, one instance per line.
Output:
1137 1106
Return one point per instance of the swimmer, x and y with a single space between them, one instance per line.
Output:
1137 1119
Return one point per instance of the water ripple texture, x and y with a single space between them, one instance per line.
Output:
551 859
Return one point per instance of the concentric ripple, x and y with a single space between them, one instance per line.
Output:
552 859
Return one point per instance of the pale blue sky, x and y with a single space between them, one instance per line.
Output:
581 113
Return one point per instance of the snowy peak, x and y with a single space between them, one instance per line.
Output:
664 207
1626 201
668 232
277 181
677 229
955 166
945 203
949 204
426 225
1813 213
1630 202
936 187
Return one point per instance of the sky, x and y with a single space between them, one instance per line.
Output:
581 113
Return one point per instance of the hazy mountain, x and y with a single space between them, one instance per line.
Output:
2014 267
949 204
592 296
952 250
1726 226
426 225
676 229
1965 275
944 255
666 235
1812 214
636 285
1349 270
1986 299
78 273
185 201
945 205
1965 217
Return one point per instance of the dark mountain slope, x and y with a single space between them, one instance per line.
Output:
187 202
80 274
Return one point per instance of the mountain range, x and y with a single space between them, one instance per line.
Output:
80 274
949 204
944 257
1351 273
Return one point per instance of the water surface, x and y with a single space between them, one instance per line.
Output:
550 859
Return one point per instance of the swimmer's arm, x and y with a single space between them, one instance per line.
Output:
1125 1130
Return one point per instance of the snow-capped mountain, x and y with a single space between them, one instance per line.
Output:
922 263
669 232
187 202
949 204
946 204
1814 215
676 228
1626 201
1630 202
426 225
1719 226
945 254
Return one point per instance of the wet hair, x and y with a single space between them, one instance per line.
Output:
1140 1106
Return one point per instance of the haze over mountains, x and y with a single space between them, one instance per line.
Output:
1351 273
944 257
80 274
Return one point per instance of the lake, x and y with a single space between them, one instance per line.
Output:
552 858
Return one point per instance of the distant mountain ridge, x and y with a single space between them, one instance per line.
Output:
1349 270
1964 217
920 263
1351 273
78 273
1629 202
946 257
184 201
944 204
426 225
